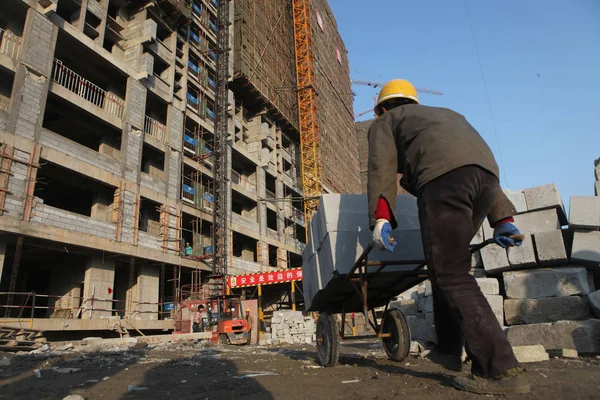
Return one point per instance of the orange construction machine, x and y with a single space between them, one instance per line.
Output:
205 308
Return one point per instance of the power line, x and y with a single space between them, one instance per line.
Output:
487 93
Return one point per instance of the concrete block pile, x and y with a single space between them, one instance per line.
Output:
289 327
339 233
542 292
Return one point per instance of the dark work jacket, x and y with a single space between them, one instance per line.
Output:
423 143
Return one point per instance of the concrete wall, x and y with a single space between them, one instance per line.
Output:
99 278
53 216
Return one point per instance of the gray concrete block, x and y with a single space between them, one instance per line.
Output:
535 353
530 223
517 197
408 307
597 188
545 197
550 248
583 336
541 283
586 248
496 302
495 259
340 251
551 309
422 327
523 256
594 302
584 212
488 285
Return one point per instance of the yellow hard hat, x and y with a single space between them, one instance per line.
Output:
396 89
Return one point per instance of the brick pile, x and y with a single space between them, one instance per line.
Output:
289 327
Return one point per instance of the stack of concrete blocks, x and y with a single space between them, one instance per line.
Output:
289 327
417 305
548 292
339 233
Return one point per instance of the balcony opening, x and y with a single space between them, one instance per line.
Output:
270 185
84 73
244 206
72 122
62 188
272 256
244 247
115 22
198 233
12 18
92 25
153 162
6 83
286 167
271 219
197 189
198 143
156 117
149 216
69 10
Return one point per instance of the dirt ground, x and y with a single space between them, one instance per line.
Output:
201 371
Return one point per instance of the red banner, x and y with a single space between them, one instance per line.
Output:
265 278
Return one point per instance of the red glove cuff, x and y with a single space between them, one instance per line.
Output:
504 221
383 210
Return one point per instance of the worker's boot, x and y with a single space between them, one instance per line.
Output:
449 361
511 381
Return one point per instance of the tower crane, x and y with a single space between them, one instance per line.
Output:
380 84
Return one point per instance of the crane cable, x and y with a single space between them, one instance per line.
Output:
487 93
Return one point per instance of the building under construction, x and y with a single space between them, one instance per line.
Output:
109 116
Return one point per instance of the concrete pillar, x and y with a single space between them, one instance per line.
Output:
98 287
148 285
282 258
32 76
262 255
280 211
132 138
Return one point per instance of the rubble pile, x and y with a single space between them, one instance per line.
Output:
289 327
543 292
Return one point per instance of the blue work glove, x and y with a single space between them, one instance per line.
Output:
382 235
502 232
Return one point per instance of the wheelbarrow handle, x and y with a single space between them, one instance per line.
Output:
517 238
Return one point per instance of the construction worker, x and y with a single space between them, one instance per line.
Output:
451 170
188 250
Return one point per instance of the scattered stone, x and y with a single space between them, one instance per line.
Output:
540 283
133 388
594 301
140 345
4 362
352 381
38 373
533 353
74 397
65 347
65 370
40 350
563 353
583 336
552 309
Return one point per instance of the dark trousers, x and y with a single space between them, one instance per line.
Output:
451 209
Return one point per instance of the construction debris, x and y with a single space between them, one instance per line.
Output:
526 354
289 327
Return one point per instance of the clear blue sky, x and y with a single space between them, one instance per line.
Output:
540 59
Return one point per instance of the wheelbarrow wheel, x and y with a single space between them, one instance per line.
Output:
328 340
397 345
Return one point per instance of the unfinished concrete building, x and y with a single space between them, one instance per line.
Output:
362 129
107 125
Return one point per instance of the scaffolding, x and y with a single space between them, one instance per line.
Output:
221 164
